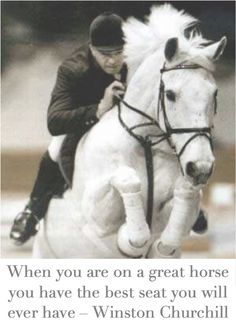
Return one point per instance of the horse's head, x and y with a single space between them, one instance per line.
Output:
187 105
187 97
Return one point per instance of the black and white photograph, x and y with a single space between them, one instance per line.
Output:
118 129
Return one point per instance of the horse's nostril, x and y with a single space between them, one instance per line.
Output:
200 172
191 169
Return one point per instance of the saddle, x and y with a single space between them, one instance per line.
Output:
67 157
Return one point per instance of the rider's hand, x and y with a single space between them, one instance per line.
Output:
108 100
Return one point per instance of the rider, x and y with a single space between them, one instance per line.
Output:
83 92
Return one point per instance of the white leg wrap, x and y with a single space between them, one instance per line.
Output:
137 227
183 215
133 236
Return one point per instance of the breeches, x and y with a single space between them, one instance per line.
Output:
55 147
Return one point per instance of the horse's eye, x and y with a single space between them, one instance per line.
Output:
171 96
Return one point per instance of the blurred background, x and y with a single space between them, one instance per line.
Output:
36 37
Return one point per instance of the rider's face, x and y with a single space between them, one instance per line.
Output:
111 62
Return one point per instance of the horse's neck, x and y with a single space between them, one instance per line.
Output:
143 87
142 93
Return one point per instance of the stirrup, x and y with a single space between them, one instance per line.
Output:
26 228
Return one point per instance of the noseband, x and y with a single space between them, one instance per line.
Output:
147 142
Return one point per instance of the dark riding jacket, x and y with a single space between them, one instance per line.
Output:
80 86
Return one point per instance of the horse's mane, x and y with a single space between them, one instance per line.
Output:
163 23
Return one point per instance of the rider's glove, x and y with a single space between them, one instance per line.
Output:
108 101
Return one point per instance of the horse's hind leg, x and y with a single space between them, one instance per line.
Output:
133 236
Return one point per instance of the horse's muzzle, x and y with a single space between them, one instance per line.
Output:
199 172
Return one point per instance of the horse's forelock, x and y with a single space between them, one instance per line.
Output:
163 23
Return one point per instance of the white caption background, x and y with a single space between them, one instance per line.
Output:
144 292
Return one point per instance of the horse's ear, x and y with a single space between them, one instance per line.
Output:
171 48
214 51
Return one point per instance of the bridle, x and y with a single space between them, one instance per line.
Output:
203 132
169 131
147 141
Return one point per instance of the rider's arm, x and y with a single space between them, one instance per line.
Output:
64 115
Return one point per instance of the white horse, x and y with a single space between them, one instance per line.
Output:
104 214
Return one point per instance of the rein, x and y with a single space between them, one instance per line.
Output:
147 144
146 141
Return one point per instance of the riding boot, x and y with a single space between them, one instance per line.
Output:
49 182
66 160
49 178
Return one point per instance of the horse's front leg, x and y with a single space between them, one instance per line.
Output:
134 234
184 213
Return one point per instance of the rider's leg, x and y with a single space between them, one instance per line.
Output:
67 157
48 181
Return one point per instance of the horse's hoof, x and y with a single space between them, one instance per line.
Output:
127 247
201 224
155 252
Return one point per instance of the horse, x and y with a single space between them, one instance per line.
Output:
139 172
